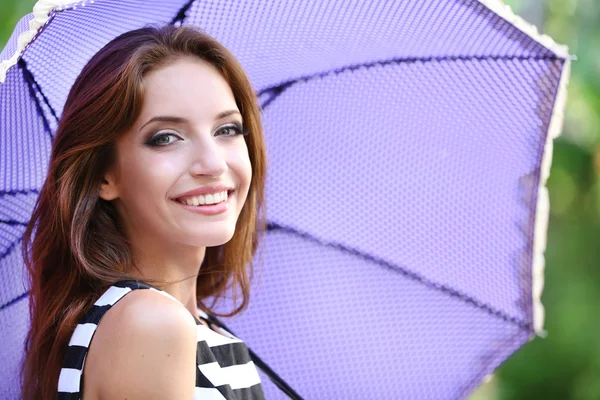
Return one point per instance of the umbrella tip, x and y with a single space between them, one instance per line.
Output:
542 334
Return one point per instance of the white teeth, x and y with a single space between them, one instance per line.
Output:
207 199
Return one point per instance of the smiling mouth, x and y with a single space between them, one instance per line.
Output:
200 200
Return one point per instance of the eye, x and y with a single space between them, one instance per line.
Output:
162 139
234 129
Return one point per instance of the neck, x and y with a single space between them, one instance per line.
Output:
177 265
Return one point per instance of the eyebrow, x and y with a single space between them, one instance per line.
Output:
180 120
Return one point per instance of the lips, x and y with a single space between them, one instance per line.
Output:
204 190
186 199
207 209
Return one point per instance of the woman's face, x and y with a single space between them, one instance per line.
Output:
180 143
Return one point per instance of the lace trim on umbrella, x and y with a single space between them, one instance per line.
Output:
554 130
505 12
42 11
543 206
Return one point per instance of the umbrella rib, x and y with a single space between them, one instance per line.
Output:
19 191
409 274
8 250
15 300
33 87
181 14
12 222
276 90
485 369
277 380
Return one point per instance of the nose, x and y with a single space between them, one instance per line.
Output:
207 158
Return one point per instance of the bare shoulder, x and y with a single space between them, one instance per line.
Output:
144 347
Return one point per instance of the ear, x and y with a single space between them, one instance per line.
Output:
108 189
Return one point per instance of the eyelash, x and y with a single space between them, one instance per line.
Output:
235 127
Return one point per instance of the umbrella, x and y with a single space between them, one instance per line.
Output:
409 145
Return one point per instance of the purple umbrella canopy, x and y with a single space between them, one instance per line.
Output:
409 143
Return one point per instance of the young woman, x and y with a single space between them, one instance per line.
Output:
153 203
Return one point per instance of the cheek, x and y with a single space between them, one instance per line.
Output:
244 171
148 176
244 165
247 168
239 162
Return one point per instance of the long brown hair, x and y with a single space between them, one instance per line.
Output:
73 247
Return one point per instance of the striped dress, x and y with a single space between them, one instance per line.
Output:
224 368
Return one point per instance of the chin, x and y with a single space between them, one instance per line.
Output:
213 239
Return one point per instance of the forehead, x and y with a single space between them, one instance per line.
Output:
186 87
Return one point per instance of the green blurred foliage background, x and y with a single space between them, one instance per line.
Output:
566 364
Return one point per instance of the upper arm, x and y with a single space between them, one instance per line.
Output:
145 349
